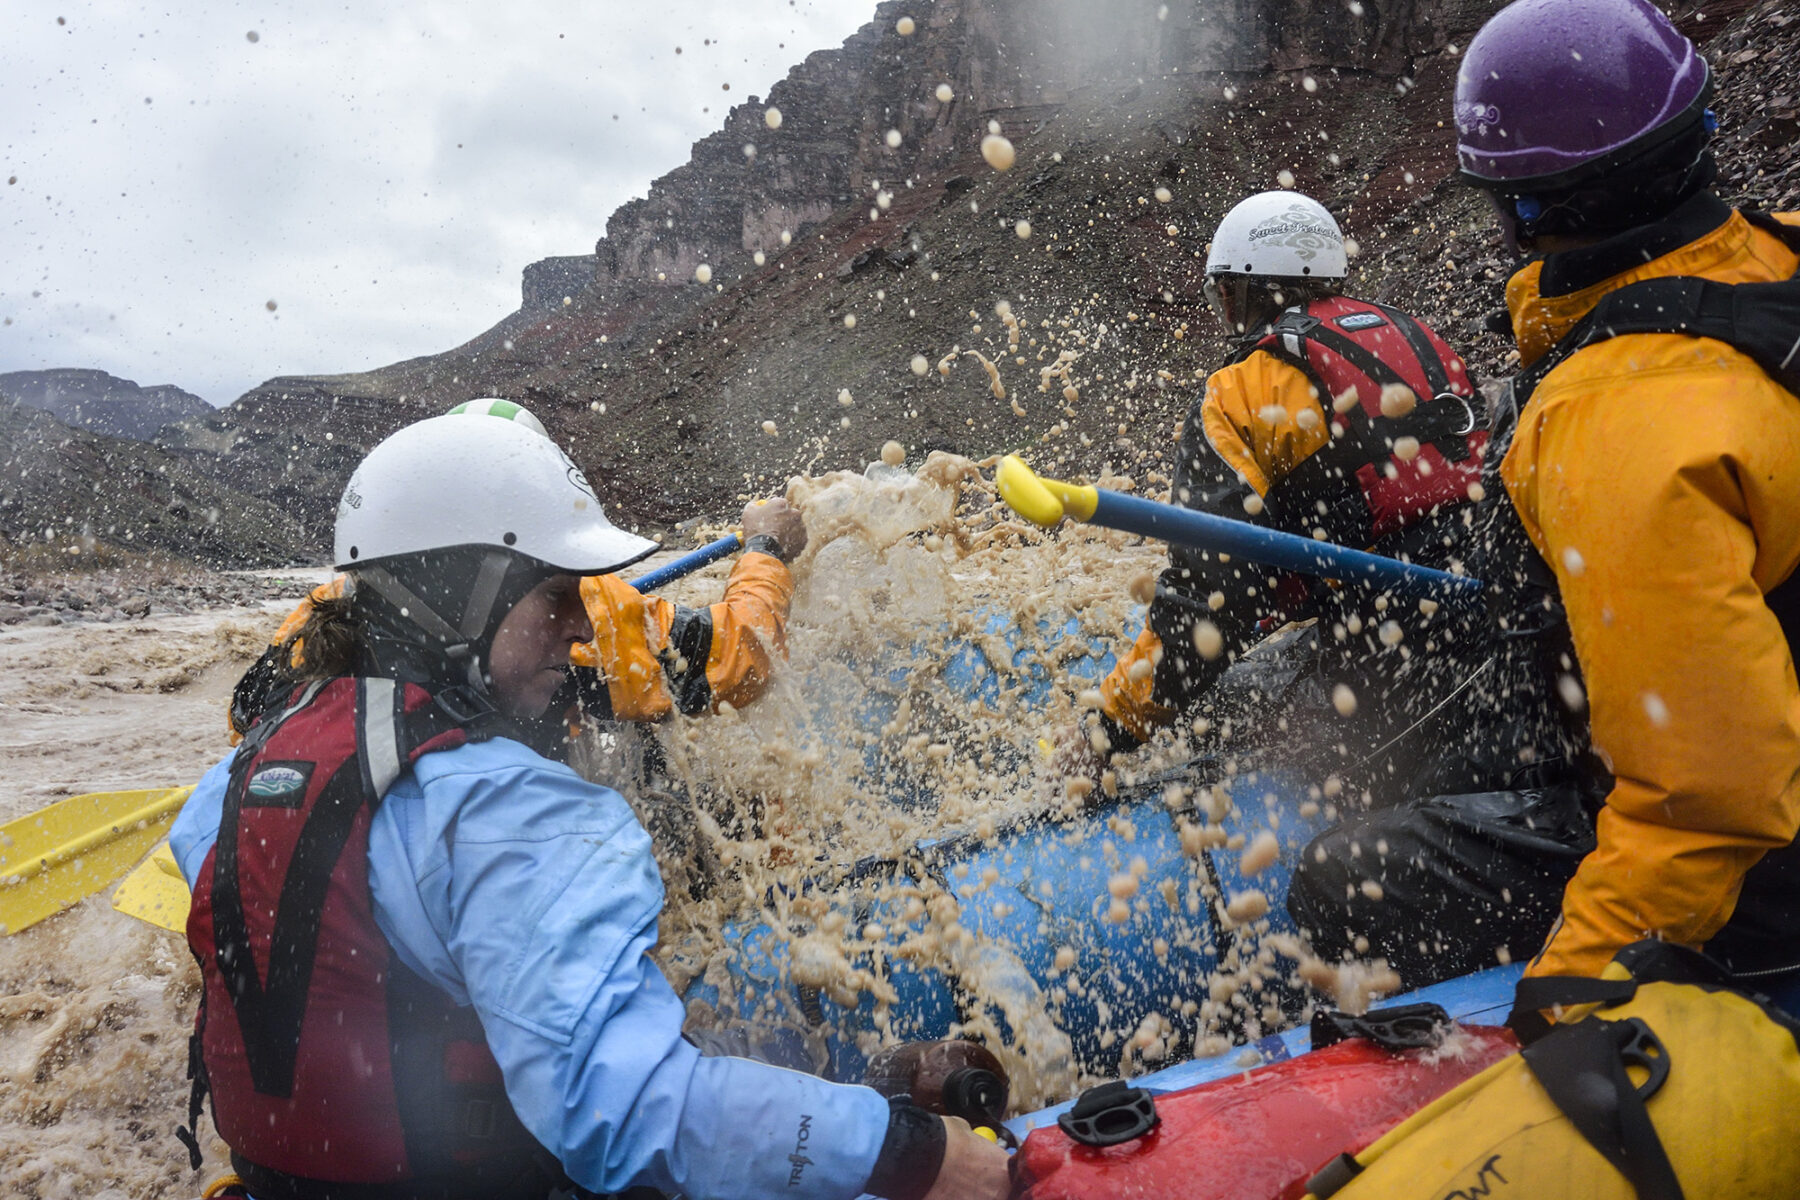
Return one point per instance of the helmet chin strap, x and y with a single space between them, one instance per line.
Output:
458 643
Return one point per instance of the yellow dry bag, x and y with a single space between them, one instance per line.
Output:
1660 1081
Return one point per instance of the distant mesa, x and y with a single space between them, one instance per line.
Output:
102 403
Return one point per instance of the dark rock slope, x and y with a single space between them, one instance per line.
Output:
102 403
68 496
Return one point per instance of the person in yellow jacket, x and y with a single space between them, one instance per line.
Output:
649 657
1651 477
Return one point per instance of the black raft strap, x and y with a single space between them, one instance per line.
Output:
189 1135
1532 996
1582 1068
1564 990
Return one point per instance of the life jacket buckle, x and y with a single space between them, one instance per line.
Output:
479 1119
1469 419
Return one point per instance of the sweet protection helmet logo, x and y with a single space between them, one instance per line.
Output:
1297 230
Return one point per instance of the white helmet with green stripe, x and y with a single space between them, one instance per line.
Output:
506 410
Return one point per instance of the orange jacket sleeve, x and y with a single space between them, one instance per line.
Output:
1659 476
656 656
1261 418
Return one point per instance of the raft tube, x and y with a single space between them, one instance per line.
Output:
1254 1134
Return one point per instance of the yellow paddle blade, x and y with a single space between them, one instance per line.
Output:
58 855
155 892
1042 501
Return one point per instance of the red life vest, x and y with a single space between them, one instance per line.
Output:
329 1062
1352 349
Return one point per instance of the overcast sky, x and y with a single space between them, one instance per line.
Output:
382 172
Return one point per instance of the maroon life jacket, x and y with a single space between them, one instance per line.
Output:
1346 347
330 1063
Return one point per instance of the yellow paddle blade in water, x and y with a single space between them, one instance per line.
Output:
59 855
156 892
1042 501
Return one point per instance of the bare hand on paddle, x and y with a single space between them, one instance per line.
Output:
778 519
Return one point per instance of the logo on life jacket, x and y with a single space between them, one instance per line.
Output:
1364 320
273 782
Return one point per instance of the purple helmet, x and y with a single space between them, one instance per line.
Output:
1554 91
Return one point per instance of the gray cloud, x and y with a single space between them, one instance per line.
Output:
382 172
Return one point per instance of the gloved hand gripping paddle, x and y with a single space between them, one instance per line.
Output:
1046 501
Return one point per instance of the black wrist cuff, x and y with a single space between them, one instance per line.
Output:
911 1154
767 543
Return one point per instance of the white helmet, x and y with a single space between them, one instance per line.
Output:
506 410
1278 235
448 482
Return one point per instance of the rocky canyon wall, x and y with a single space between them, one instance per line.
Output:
1016 62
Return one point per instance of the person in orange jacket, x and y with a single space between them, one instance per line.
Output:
649 657
1650 458
1335 418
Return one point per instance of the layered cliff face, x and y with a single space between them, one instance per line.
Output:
1017 62
70 490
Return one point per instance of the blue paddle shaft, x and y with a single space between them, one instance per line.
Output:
687 564
1273 548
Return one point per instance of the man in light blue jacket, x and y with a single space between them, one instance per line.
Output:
499 881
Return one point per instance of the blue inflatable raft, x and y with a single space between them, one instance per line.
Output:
1081 927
